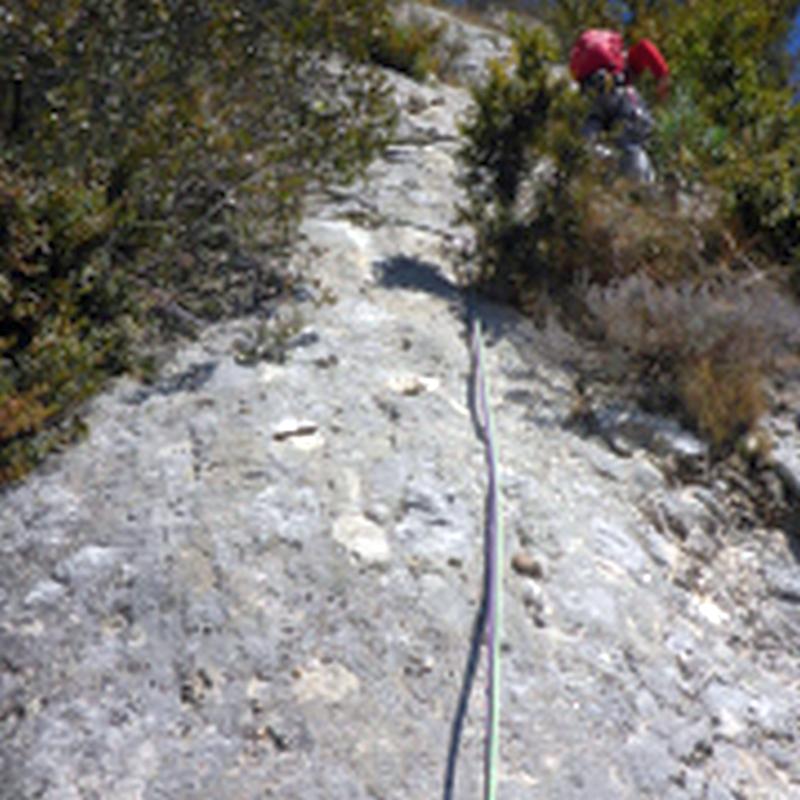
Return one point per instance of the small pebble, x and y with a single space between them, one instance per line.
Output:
289 428
527 565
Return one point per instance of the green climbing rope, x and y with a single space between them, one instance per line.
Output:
495 560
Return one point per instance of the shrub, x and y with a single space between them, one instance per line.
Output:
733 119
413 45
545 213
155 158
656 273
518 158
739 121
702 350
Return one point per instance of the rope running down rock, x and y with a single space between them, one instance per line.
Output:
494 537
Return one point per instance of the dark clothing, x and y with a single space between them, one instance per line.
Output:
618 109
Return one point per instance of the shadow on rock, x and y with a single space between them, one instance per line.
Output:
412 274
790 525
498 321
189 380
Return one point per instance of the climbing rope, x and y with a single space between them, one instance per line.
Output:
494 559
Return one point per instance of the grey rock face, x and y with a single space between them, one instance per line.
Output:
787 463
627 430
261 581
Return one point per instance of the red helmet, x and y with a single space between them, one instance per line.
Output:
594 50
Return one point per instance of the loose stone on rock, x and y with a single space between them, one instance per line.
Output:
302 434
319 682
290 428
363 538
627 430
412 385
526 565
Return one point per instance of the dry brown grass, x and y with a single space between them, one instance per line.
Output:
706 349
724 399
625 230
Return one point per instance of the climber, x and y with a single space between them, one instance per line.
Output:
604 70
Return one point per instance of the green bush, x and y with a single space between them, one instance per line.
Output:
743 122
732 120
152 153
519 157
61 312
411 46
547 213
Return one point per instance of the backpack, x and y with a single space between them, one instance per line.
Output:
646 56
597 49
605 50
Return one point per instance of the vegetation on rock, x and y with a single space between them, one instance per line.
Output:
410 46
684 283
155 157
